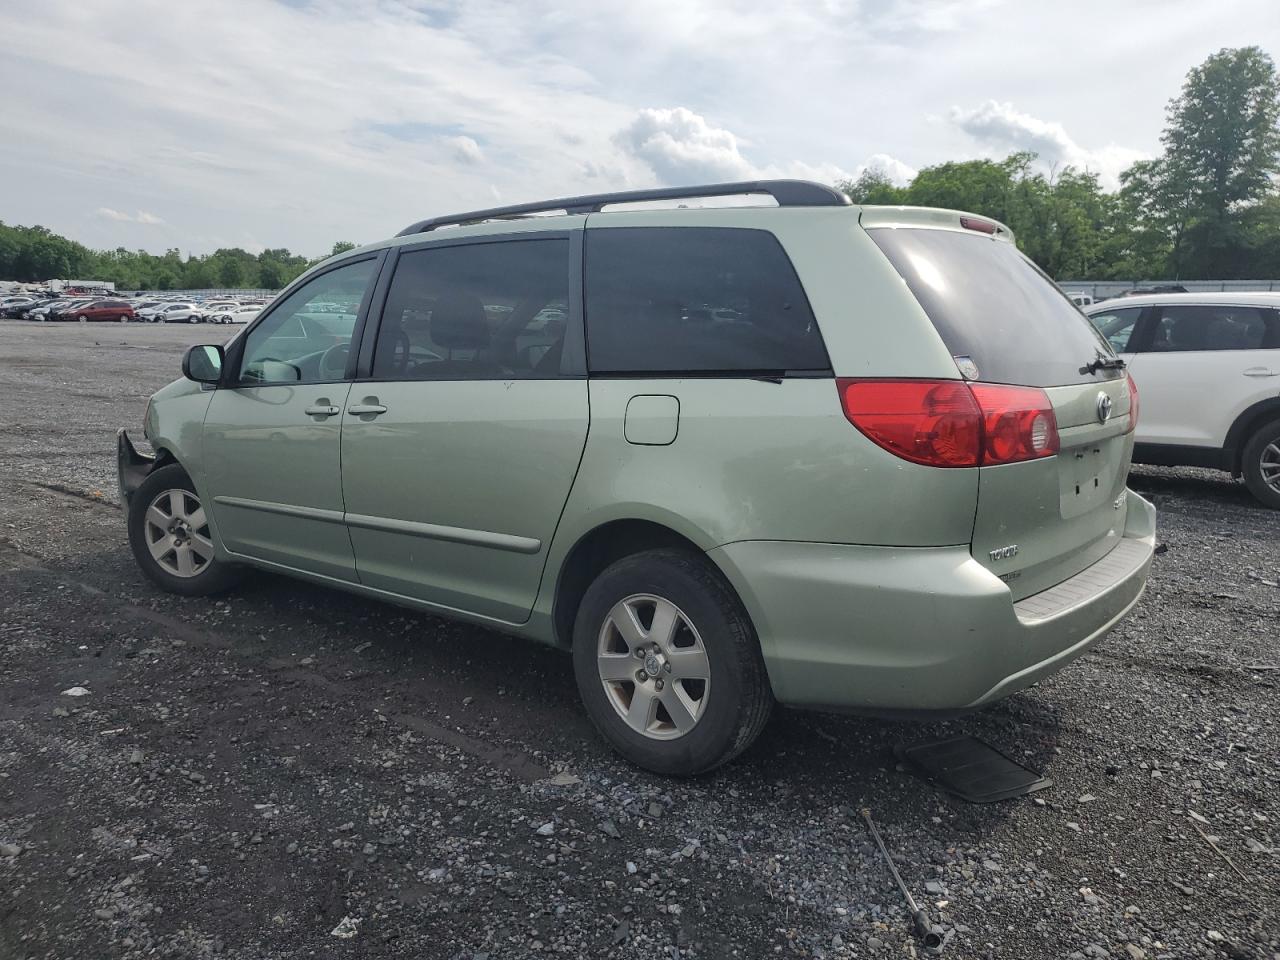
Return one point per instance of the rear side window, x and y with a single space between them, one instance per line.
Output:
483 311
992 305
698 300
1186 328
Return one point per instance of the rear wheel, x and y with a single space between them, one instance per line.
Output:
124 318
170 537
668 664
1261 464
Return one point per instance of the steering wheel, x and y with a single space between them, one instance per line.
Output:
333 362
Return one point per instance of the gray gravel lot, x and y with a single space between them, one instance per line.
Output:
292 772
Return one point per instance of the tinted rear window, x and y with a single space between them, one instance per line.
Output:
695 300
991 304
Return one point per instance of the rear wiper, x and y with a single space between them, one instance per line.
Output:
1102 362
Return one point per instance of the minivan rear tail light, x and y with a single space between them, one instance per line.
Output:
1134 408
951 423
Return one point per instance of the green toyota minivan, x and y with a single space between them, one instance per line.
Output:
796 450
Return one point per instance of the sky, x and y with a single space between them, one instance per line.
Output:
259 123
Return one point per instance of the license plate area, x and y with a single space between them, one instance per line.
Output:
1087 476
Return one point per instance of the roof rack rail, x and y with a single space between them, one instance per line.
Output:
788 193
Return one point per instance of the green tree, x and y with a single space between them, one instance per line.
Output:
1223 135
342 246
872 187
230 271
1222 154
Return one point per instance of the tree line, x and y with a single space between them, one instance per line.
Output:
34 254
1208 207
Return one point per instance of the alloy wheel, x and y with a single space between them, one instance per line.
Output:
177 533
653 666
1269 465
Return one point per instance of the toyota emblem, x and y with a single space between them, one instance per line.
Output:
1104 408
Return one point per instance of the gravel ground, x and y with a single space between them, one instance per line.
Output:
292 772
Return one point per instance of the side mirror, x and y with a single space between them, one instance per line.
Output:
203 364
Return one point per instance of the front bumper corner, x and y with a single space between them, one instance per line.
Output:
132 467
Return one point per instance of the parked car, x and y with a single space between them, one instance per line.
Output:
151 312
41 310
1208 369
15 306
96 310
181 312
10 306
211 307
23 311
897 485
63 308
236 314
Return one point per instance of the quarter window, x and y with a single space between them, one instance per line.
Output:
1117 326
307 338
1189 328
483 311
696 300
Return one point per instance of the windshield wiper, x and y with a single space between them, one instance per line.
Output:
1102 362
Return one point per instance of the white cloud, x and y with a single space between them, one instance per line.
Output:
464 149
680 147
142 216
1002 127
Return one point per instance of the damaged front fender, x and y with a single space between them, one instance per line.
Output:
131 466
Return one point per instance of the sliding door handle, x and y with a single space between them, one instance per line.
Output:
322 409
366 409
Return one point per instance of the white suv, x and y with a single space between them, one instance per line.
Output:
1207 366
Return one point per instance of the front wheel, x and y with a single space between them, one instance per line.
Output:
668 664
170 536
1261 464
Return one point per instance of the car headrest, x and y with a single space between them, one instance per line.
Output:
458 321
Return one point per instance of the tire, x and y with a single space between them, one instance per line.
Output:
205 576
124 318
1260 464
732 704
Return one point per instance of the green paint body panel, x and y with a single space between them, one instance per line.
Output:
261 446
492 460
913 630
870 580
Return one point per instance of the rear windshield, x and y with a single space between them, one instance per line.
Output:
994 306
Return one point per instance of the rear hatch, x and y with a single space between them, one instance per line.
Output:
1040 521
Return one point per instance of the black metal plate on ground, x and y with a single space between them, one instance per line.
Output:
972 770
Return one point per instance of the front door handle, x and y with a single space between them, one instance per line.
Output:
369 408
322 409
1261 372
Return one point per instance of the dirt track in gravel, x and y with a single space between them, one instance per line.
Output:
247 772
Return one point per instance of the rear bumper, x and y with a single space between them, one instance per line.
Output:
923 630
132 467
